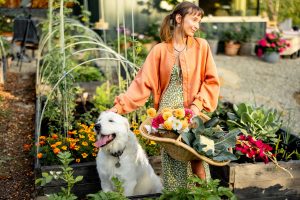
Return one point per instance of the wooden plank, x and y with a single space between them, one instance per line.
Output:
264 172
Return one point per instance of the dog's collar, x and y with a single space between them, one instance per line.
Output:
117 154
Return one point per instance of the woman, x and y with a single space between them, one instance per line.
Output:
179 72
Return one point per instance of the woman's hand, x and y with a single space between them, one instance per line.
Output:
113 109
195 109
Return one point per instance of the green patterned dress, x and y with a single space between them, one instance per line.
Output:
174 172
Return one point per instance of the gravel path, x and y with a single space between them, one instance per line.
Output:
248 79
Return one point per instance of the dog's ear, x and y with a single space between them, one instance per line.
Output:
127 124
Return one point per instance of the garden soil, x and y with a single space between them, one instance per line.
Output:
17 113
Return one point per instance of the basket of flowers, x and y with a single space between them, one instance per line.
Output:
186 137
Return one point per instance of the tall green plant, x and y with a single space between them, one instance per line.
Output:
66 175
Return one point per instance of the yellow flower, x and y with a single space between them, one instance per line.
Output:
179 113
94 154
136 132
84 155
151 112
64 148
184 123
84 143
166 115
53 146
81 136
168 125
58 143
152 142
77 148
92 138
78 160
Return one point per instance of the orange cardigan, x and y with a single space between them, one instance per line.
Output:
201 85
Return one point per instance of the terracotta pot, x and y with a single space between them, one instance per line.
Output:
39 3
12 3
231 48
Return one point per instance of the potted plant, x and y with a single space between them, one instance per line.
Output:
270 47
232 42
211 35
247 47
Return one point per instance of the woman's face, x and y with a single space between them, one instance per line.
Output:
191 24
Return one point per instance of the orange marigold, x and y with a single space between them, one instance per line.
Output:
54 136
40 155
56 150
42 138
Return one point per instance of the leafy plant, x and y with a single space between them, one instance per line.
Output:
256 121
201 190
246 33
118 194
231 35
87 73
65 175
208 139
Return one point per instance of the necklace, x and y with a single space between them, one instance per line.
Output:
179 51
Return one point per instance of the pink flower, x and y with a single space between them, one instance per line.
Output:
262 42
188 113
273 45
271 36
157 121
259 52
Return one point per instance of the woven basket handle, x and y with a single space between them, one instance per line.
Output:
178 140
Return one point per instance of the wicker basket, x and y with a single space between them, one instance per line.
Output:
175 146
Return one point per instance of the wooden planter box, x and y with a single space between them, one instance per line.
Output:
261 181
89 185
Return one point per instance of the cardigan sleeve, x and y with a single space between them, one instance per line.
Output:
140 88
207 97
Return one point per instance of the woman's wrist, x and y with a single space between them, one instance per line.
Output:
113 109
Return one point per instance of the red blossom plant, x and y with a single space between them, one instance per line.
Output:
256 150
272 42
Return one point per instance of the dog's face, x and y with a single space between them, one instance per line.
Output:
112 131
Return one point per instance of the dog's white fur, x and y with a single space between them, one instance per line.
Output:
135 172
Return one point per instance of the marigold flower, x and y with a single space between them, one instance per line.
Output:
81 136
84 144
53 146
168 125
64 148
42 143
58 143
179 113
42 138
40 155
94 154
78 160
72 145
56 150
77 148
84 155
92 138
152 142
136 132
151 112
27 147
166 115
54 136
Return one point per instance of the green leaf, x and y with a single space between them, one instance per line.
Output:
78 178
199 125
188 138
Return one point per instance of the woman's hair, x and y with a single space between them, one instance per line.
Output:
169 22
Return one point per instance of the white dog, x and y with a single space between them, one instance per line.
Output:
121 156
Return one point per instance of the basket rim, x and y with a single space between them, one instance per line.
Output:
178 143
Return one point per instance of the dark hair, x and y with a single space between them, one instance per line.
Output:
169 22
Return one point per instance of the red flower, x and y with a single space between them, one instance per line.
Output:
263 42
157 121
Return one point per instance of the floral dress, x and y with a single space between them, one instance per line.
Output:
174 172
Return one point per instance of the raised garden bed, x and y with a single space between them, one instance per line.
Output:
261 181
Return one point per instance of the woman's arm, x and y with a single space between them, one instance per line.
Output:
140 88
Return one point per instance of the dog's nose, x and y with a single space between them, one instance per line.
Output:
97 127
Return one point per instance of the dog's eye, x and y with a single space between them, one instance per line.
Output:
111 120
